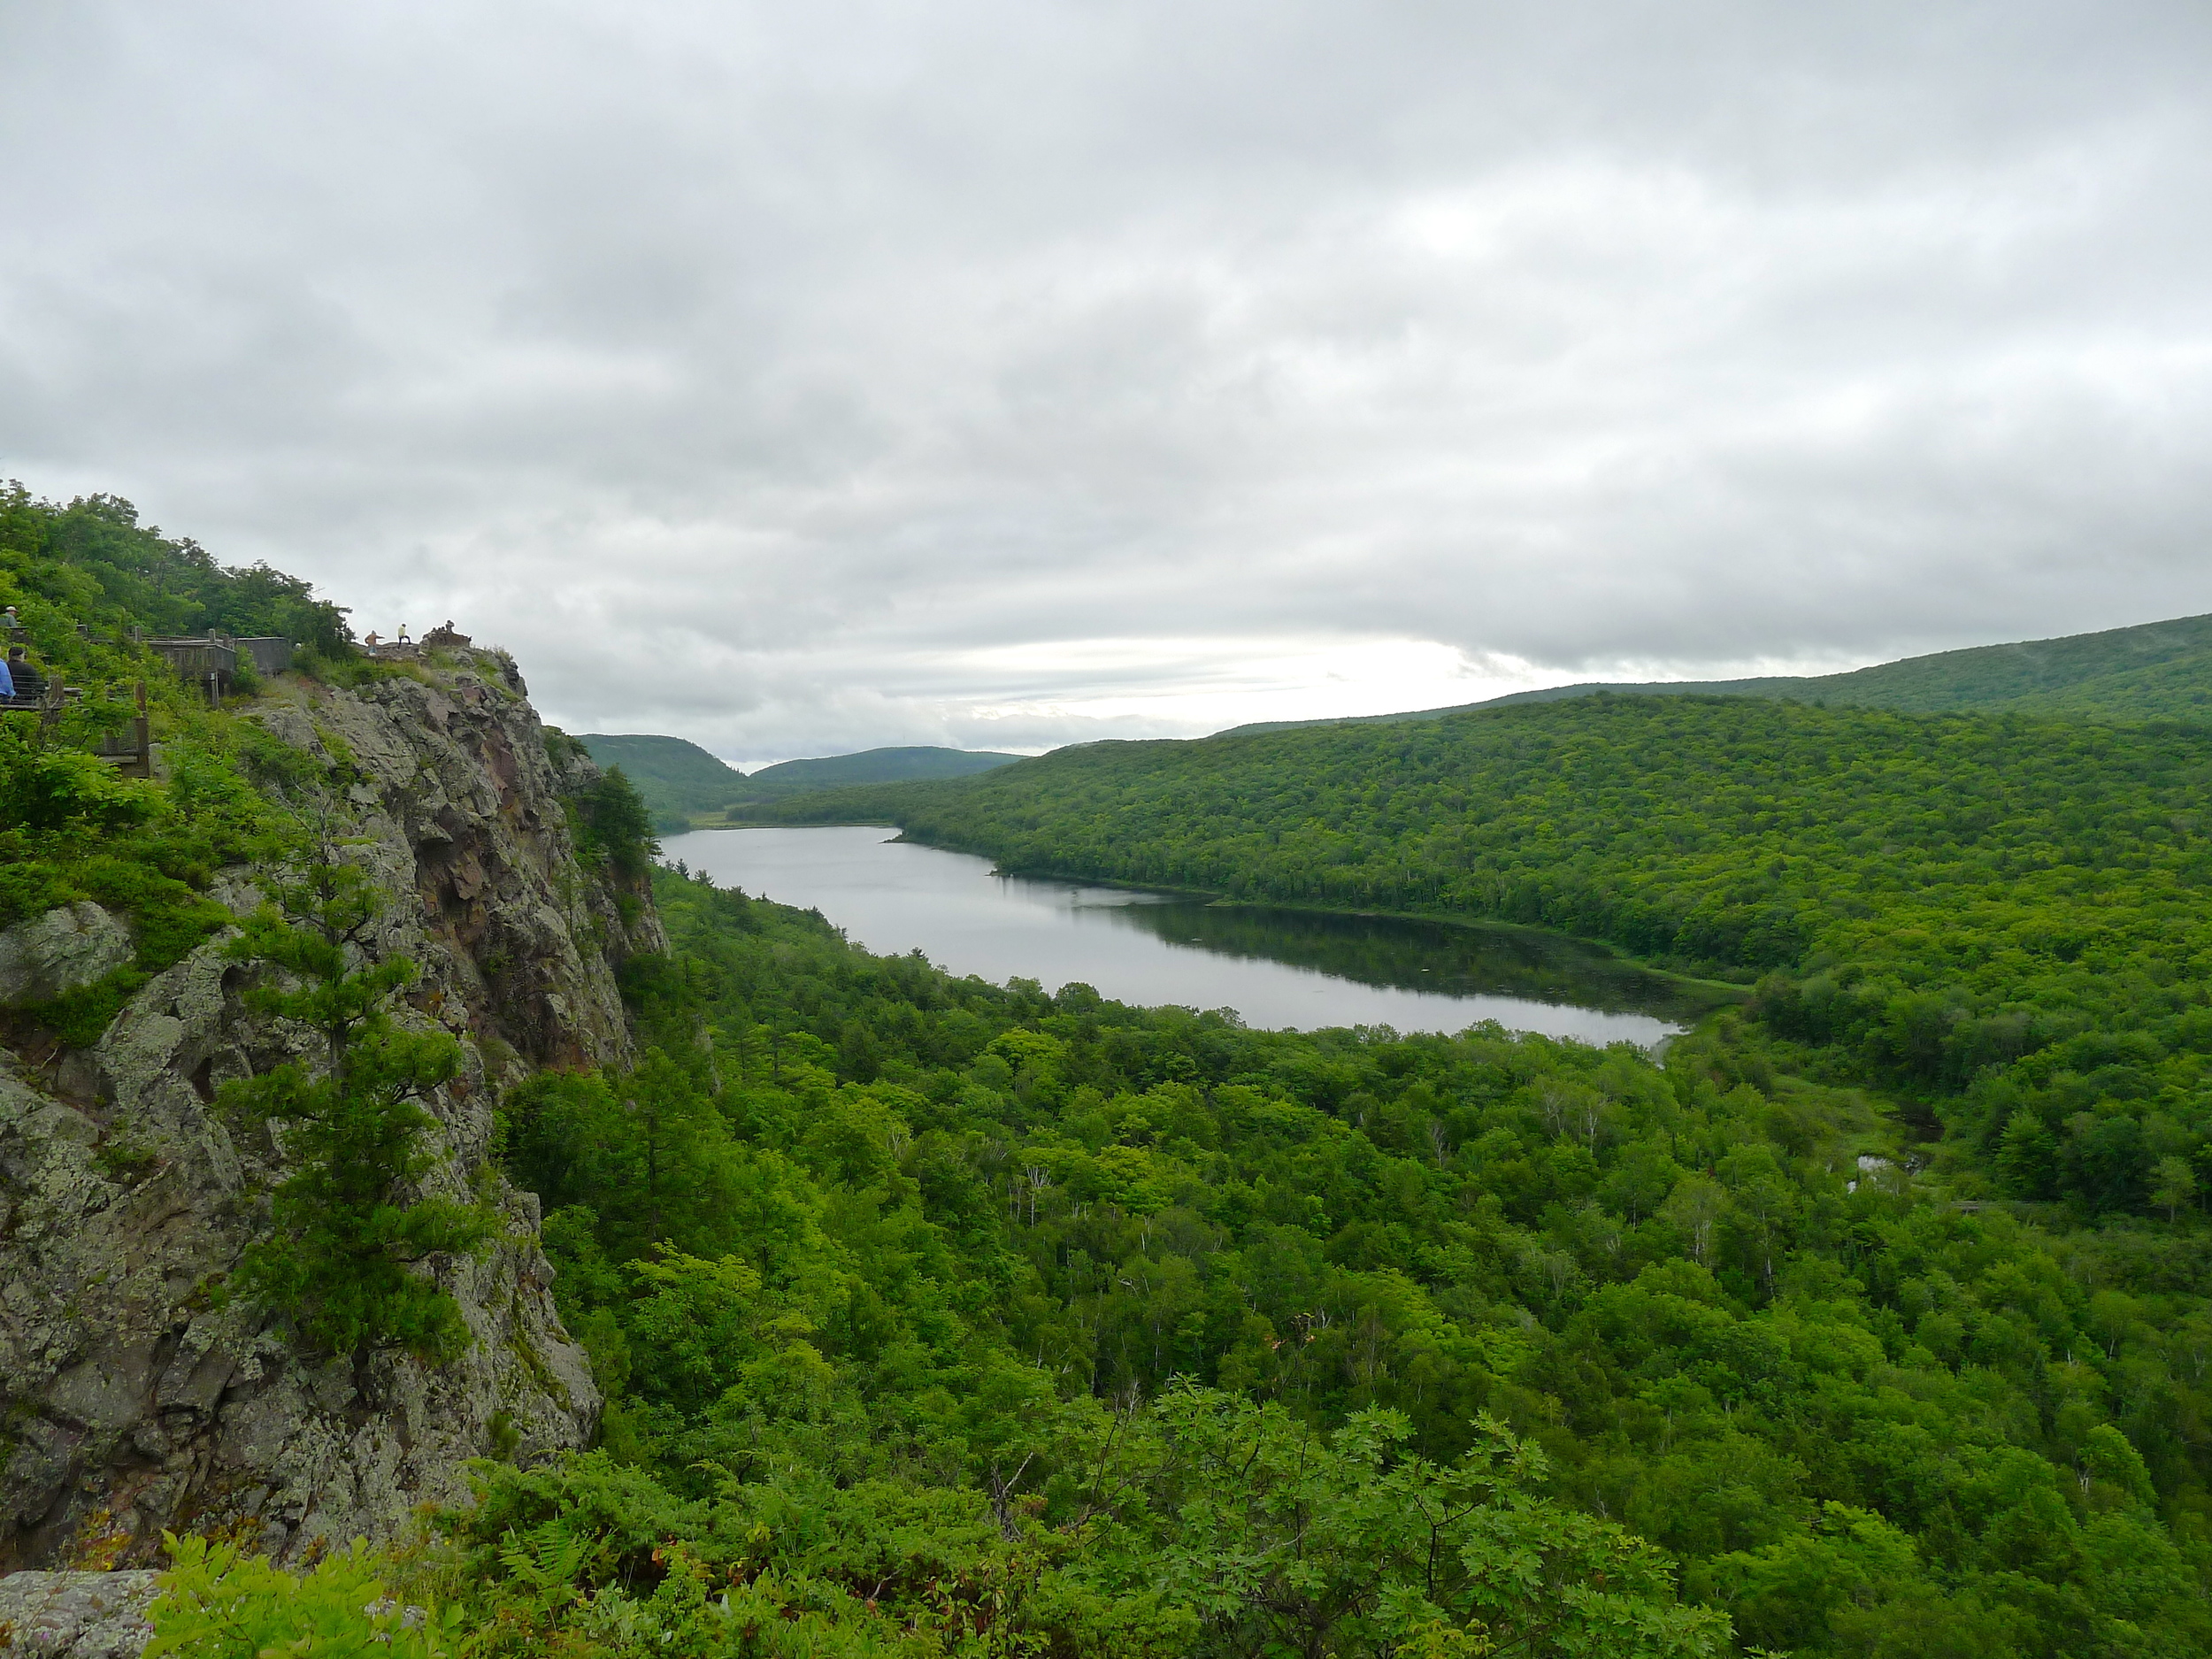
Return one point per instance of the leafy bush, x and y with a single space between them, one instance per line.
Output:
218 1603
1287 1541
56 791
31 888
616 829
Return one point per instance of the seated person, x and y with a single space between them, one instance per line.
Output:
25 680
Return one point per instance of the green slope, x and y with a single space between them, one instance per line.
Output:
872 765
678 780
910 1225
1944 893
937 1316
683 784
2156 671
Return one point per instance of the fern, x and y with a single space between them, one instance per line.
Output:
218 1603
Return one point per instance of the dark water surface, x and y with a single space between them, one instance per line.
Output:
1278 968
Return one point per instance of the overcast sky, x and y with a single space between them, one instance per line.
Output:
799 378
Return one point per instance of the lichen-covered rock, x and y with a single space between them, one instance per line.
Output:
467 818
133 1396
75 1615
64 950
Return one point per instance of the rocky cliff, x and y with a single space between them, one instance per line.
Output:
133 1396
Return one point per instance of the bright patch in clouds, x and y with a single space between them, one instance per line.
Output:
1204 684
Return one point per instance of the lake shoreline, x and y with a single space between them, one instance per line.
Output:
1716 994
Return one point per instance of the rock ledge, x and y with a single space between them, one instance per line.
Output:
75 1615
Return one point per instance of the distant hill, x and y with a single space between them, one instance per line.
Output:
871 766
678 780
682 784
2155 671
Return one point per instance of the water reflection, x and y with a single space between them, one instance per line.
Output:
1278 968
1445 957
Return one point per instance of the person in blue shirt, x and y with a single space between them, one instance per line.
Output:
7 680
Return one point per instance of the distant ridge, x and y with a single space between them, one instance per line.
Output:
2155 671
678 780
682 784
870 765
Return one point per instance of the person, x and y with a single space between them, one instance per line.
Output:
370 639
24 680
7 680
9 621
402 634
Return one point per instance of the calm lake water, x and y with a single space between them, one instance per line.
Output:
1278 968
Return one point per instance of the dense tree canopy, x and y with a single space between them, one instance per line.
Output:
95 558
858 1239
2008 919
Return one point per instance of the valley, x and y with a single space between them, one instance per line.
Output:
686 787
1273 967
402 1141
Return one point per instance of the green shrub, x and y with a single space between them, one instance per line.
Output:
615 828
217 1603
171 919
81 1016
52 791
32 888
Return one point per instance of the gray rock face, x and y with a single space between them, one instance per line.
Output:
75 1615
65 949
132 1397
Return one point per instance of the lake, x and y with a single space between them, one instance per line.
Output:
1276 967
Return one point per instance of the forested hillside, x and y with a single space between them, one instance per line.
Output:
684 787
2007 919
870 765
2156 671
678 780
93 562
1079 1328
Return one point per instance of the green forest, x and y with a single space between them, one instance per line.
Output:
94 562
2005 921
859 1240
937 1317
685 787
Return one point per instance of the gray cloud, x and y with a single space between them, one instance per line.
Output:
796 378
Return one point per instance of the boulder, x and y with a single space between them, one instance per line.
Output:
64 950
75 1615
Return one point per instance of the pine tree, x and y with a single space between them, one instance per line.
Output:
338 1261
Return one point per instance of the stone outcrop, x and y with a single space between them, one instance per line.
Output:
64 950
133 1396
75 1615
